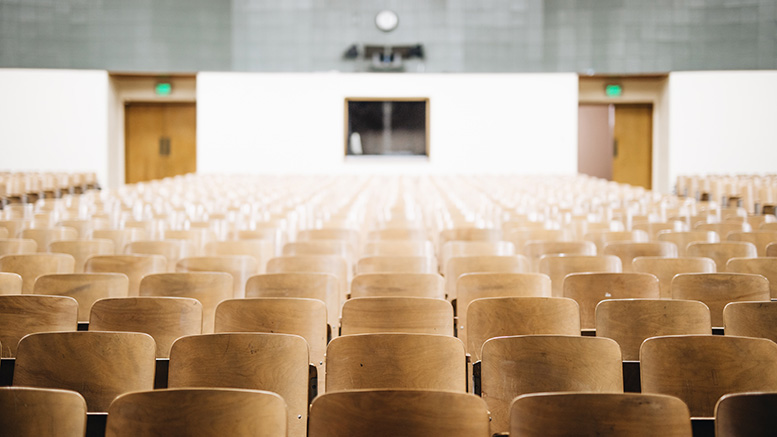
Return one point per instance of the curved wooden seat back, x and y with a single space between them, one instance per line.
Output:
396 264
458 266
764 266
414 315
10 283
322 286
13 226
209 288
85 288
456 248
398 285
760 239
588 289
260 250
321 247
399 248
257 361
349 235
374 361
718 289
506 316
751 319
520 237
171 250
32 266
120 237
197 412
627 251
99 365
392 234
722 252
4 233
600 414
38 412
240 267
683 239
44 236
166 319
746 415
27 314
699 369
273 234
388 413
723 229
535 249
631 321
81 250
666 268
17 246
557 267
512 366
654 229
330 264
601 238
771 249
135 267
468 234
196 239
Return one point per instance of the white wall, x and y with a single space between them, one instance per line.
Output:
518 123
54 120
722 122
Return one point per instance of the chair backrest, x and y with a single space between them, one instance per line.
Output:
455 248
760 239
535 249
764 266
166 319
81 250
557 267
373 361
85 288
136 267
259 361
196 239
458 266
683 239
197 412
321 286
17 246
722 252
512 366
120 237
666 268
240 267
600 238
349 235
627 251
600 414
418 315
468 234
397 285
390 412
654 229
723 229
260 250
99 365
172 250
699 369
44 236
771 249
392 234
330 264
522 236
396 264
27 314
32 266
38 412
746 415
506 316
718 289
751 319
399 248
10 283
632 321
210 288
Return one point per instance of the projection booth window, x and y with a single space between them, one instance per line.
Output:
387 127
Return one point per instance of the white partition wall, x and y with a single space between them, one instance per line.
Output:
515 123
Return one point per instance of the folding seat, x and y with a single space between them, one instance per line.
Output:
683 239
85 288
171 250
458 266
27 314
10 283
120 237
760 239
17 246
320 286
557 267
398 284
396 264
457 248
240 267
535 249
330 264
32 266
764 266
751 319
260 250
718 289
81 250
746 415
666 268
415 315
135 267
44 236
39 412
722 252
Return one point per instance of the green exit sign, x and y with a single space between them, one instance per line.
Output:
613 90
163 88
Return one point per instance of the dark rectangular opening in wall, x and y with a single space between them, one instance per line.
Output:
387 126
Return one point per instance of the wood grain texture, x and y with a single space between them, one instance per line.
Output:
37 412
396 264
374 361
458 266
197 413
627 251
746 415
699 369
771 249
683 239
631 321
172 250
718 289
120 237
398 285
764 266
81 250
27 314
751 319
99 365
321 286
414 315
85 288
506 316
599 414
240 267
330 264
260 250
456 248
512 366
600 238
557 267
166 319
32 266
260 361
588 289
722 252
666 268
534 249
135 267
17 246
389 413
10 283
399 248
44 236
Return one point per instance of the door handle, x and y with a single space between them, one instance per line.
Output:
164 146
615 148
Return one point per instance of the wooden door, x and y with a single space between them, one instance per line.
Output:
160 140
633 145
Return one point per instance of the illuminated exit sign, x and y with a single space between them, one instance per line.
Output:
613 90
163 88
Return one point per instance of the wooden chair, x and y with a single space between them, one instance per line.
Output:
458 266
32 266
654 229
453 249
240 267
557 267
600 238
760 239
723 229
260 250
135 267
521 237
534 250
396 264
330 264
27 314
751 319
599 414
85 227
259 361
399 248
99 365
197 412
397 234
391 412
722 252
321 286
699 369
414 315
38 412
683 239
505 316
166 319
10 283
402 361
85 288
4 233
13 226
17 246
197 239
627 251
666 268
512 366
746 415
468 234
209 288
349 235
81 250
321 247
763 227
764 266
631 321
771 249
718 289
120 237
44 236
171 250
273 234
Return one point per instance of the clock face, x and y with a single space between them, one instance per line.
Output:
386 20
